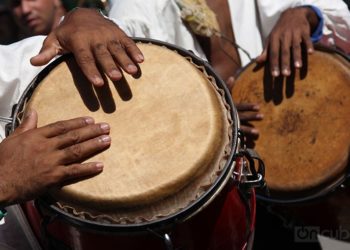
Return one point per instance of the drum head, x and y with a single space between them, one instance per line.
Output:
304 136
171 132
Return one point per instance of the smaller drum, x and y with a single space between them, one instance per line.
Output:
304 141
304 136
170 178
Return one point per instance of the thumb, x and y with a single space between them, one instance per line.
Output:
230 82
262 57
29 122
50 49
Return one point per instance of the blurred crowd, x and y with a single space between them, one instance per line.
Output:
23 18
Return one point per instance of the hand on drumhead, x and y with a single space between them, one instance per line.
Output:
291 32
96 42
248 112
34 160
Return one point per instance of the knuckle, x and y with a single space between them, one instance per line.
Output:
99 48
72 171
74 137
60 127
116 45
84 58
74 152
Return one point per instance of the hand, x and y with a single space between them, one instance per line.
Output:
96 42
246 112
33 160
291 31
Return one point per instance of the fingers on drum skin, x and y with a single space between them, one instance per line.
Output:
123 59
250 116
307 40
62 127
81 151
247 107
78 171
87 63
247 130
132 49
106 61
286 43
274 54
81 134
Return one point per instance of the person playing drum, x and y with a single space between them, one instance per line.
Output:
33 159
231 33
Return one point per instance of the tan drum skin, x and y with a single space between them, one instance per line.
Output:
170 128
304 136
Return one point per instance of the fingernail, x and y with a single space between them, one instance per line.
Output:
254 131
89 120
104 127
286 72
105 138
140 58
297 64
259 116
275 72
231 79
98 81
310 50
99 166
115 74
132 68
256 107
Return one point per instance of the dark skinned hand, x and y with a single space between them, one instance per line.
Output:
96 42
247 112
34 160
286 39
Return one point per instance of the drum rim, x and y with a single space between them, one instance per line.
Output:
174 218
325 188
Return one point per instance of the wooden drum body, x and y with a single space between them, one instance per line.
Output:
168 178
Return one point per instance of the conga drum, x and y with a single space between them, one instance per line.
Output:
173 177
304 137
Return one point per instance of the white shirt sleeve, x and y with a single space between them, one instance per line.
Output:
157 19
335 13
16 73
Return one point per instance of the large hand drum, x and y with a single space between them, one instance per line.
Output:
174 136
304 136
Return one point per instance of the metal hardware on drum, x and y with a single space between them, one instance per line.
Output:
168 243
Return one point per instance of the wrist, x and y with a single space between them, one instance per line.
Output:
315 19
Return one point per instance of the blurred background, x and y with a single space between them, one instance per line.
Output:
13 26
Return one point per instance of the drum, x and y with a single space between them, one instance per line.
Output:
174 176
304 138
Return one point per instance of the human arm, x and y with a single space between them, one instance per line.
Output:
35 160
336 18
96 42
292 31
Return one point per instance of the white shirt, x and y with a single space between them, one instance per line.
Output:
252 21
16 73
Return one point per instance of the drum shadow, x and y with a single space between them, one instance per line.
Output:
93 97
